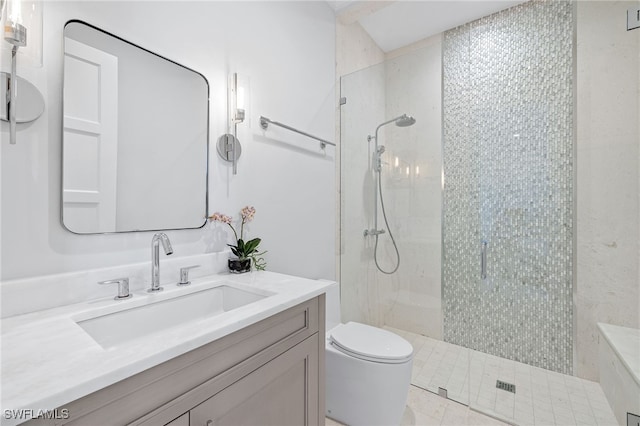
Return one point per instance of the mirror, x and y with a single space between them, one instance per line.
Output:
135 137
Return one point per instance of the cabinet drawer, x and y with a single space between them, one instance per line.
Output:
167 384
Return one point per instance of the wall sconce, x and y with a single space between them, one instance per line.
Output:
238 94
228 146
22 31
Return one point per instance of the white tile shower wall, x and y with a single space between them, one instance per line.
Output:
608 191
287 49
355 50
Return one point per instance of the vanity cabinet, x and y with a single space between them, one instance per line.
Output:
268 373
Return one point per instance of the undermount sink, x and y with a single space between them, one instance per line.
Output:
116 328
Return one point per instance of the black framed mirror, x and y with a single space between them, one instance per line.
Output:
135 137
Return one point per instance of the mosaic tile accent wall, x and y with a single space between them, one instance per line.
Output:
508 172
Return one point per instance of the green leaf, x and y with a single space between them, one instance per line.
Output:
252 245
234 250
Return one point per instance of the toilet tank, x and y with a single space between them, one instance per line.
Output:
332 305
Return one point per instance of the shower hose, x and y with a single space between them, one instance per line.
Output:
386 222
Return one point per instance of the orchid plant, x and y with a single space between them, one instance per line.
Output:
243 249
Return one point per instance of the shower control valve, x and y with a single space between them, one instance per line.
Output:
373 232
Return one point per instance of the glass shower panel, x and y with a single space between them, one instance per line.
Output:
364 92
508 198
408 301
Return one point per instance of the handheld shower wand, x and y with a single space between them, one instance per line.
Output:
402 121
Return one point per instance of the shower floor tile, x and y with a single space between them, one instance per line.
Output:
426 409
542 397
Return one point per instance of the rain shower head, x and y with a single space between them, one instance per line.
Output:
405 121
402 121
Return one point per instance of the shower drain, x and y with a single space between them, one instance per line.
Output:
509 387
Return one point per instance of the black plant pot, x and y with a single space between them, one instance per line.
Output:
239 266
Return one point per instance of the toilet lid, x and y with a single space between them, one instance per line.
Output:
371 343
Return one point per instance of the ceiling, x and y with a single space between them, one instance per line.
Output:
394 24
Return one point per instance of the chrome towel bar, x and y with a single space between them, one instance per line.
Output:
264 123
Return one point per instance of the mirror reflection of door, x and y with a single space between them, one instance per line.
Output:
90 133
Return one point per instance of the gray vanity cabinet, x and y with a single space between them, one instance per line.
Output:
268 373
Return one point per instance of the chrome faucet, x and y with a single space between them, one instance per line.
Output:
155 259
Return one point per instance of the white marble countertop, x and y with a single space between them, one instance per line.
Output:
48 360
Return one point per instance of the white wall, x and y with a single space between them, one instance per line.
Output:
608 194
287 51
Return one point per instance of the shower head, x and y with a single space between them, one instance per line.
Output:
405 121
402 121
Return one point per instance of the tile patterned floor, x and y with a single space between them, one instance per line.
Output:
426 408
542 397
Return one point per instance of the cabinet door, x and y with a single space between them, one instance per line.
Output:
282 392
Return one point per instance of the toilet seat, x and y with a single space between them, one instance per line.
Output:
370 343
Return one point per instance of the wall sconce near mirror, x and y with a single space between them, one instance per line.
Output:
228 146
22 30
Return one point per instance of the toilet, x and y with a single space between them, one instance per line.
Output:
368 370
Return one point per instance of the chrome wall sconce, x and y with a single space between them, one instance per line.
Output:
228 146
22 29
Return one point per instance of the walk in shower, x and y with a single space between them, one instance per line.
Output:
479 195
